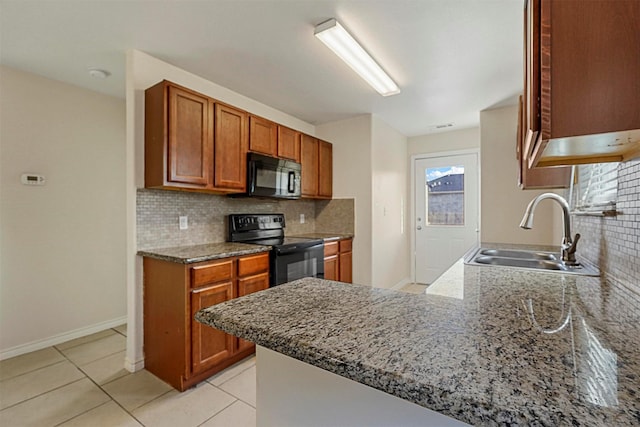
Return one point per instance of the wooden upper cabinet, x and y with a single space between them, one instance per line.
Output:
316 158
325 169
193 142
230 148
288 143
178 138
581 81
532 178
263 136
309 161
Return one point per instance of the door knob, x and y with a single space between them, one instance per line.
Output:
419 227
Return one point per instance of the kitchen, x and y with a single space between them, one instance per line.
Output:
365 137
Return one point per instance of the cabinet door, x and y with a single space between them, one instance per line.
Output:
531 178
288 143
190 141
309 161
253 264
332 267
325 169
230 148
209 346
345 267
263 136
246 286
531 101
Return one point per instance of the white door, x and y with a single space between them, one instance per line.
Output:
446 212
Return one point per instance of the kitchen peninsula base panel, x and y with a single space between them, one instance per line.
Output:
291 392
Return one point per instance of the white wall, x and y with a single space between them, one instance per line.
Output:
390 243
143 71
502 201
352 172
445 141
62 270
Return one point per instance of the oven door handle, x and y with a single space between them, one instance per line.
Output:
300 249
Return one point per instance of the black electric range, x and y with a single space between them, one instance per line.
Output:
290 258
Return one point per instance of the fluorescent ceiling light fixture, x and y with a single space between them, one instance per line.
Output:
332 34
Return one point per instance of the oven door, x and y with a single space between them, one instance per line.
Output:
289 264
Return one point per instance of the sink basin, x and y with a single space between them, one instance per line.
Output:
513 253
530 260
519 262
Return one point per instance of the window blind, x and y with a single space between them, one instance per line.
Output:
597 186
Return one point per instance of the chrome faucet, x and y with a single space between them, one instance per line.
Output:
568 245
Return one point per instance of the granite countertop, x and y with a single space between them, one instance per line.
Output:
327 237
505 347
205 252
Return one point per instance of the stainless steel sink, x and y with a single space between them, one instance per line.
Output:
530 260
513 253
519 262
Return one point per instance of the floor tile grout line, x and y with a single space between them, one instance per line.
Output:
88 342
234 396
111 398
82 413
227 380
101 358
100 386
219 412
152 400
33 370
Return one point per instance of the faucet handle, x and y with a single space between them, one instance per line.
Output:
569 252
572 249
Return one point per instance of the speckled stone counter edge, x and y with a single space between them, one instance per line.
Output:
200 253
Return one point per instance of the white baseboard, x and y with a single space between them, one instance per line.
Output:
60 338
401 284
133 366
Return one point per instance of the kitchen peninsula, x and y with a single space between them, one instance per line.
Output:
514 347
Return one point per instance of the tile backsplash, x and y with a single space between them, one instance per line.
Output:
613 243
158 212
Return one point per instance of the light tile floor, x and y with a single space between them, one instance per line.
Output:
414 288
82 382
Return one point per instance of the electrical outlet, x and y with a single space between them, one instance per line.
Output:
184 222
301 218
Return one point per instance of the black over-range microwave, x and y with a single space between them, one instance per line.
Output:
272 177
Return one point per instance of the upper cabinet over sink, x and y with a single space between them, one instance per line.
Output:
582 82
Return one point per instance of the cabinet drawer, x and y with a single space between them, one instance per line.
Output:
330 248
345 245
253 264
211 273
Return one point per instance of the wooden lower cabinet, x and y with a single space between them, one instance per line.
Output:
331 261
338 260
209 346
178 349
346 257
246 286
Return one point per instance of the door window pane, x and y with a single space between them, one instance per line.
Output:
445 195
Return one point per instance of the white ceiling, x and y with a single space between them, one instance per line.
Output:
451 58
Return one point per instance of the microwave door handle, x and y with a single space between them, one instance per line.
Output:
291 186
252 180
